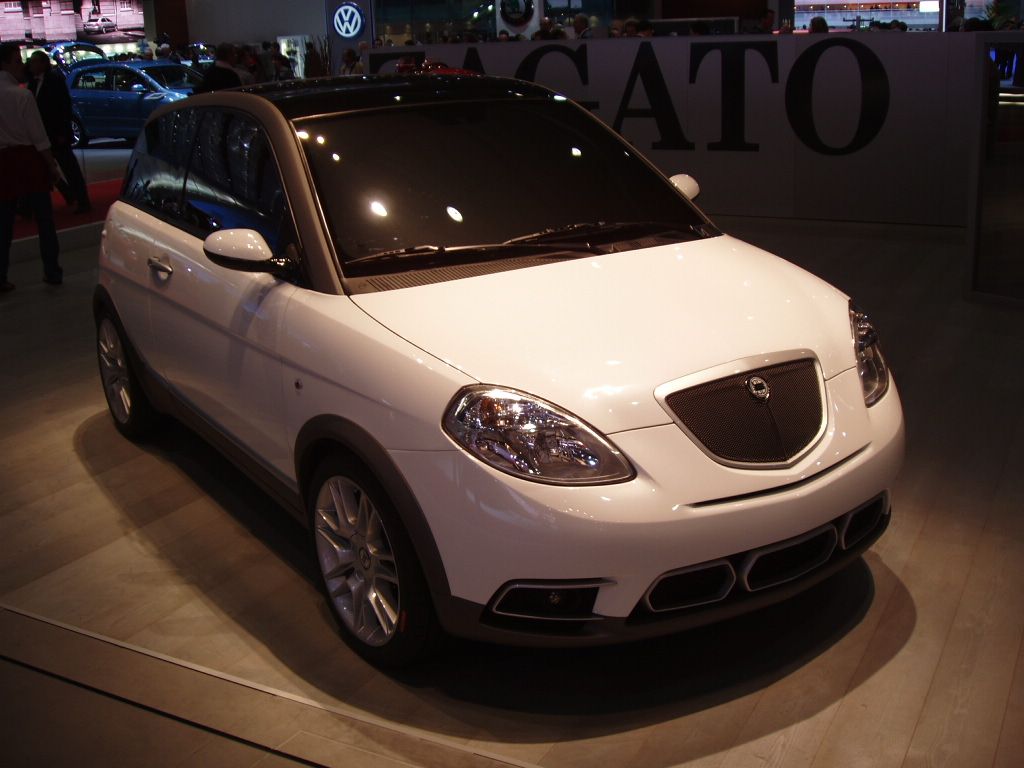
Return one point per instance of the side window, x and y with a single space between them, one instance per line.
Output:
156 171
93 80
234 183
125 79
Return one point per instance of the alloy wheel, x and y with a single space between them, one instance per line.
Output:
357 561
114 371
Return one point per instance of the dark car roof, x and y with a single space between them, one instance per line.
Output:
327 95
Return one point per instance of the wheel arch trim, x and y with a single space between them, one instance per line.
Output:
101 299
315 440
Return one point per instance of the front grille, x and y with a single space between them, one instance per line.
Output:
735 578
689 587
734 425
789 560
860 523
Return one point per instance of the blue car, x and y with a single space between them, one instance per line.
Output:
114 99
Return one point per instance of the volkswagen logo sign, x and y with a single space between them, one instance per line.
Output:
348 20
758 389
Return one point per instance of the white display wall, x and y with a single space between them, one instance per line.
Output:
849 127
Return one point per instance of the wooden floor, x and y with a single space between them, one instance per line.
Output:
912 658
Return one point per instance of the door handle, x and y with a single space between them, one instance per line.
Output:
158 266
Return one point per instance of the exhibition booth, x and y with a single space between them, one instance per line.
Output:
159 606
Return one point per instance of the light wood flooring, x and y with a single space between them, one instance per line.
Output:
913 657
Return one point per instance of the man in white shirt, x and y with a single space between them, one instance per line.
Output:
27 167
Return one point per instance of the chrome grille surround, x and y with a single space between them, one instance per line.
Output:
744 369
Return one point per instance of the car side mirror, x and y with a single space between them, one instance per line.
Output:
686 184
245 250
139 88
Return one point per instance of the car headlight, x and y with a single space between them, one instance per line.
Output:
874 374
531 438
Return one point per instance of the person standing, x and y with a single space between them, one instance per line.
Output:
222 74
268 66
28 168
54 102
581 26
350 63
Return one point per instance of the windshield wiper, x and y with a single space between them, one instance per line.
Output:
499 249
549 240
586 228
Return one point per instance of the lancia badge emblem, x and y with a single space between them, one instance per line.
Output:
758 389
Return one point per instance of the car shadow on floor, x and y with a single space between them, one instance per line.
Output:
517 694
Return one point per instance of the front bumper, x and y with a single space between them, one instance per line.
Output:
681 509
467 619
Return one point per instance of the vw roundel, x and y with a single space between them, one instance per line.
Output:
348 20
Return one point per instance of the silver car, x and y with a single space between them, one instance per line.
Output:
100 25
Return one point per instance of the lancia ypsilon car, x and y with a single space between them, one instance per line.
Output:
518 387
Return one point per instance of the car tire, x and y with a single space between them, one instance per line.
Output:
78 138
133 414
368 570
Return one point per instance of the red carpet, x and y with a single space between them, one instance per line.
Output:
102 194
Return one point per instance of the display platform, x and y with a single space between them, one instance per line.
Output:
102 194
102 165
166 552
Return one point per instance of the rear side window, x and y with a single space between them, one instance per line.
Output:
156 171
94 80
233 181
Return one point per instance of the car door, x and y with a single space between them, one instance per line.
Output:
143 231
134 98
90 96
217 329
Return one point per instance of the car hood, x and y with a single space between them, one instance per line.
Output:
597 335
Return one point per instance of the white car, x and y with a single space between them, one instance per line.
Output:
517 385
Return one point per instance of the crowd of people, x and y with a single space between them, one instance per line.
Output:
1008 24
236 65
254 63
581 26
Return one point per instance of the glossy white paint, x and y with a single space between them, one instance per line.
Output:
351 365
238 244
492 528
125 246
598 335
686 184
214 332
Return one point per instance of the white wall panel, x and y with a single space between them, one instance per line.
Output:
743 140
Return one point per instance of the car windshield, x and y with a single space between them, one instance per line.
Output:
457 174
176 76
